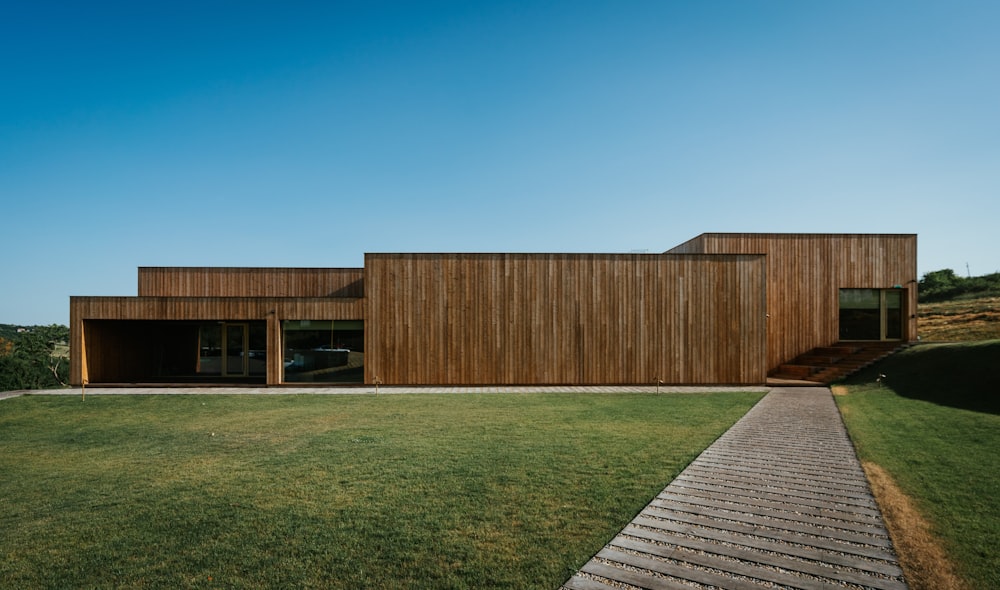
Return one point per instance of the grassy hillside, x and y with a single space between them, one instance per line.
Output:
933 424
960 320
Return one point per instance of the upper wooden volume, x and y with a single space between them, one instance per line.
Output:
250 282
805 273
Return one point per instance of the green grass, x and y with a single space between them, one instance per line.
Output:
425 491
935 427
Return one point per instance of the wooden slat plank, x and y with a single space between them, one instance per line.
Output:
694 511
752 460
695 489
806 561
809 547
579 582
642 580
790 476
834 514
792 493
760 566
683 572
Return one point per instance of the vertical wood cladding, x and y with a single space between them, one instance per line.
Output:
697 314
251 282
805 273
564 318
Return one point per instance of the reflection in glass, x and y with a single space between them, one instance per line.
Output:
323 351
257 353
893 315
235 357
860 317
210 349
232 349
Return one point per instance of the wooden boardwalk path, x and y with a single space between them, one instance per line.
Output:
779 501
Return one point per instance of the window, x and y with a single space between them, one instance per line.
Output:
323 351
871 314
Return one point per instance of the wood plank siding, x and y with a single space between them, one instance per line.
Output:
106 332
564 318
250 282
805 272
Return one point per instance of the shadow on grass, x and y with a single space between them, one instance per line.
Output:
963 375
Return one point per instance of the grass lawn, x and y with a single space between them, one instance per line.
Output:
421 491
935 427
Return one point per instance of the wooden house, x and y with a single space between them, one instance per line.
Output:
718 309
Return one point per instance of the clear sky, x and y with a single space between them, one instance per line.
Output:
246 133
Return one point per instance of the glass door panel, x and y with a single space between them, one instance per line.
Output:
257 349
860 316
209 350
235 348
893 314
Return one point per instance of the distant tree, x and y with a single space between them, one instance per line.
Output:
30 363
8 331
938 284
941 285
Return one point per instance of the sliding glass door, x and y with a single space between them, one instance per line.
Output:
232 349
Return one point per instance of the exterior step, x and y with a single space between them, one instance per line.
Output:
796 371
838 351
826 364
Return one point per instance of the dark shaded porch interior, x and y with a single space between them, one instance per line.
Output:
151 351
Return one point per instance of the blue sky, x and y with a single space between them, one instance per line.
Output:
308 133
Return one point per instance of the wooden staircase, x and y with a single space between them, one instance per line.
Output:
826 364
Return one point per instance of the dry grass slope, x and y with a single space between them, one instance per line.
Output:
925 564
960 320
